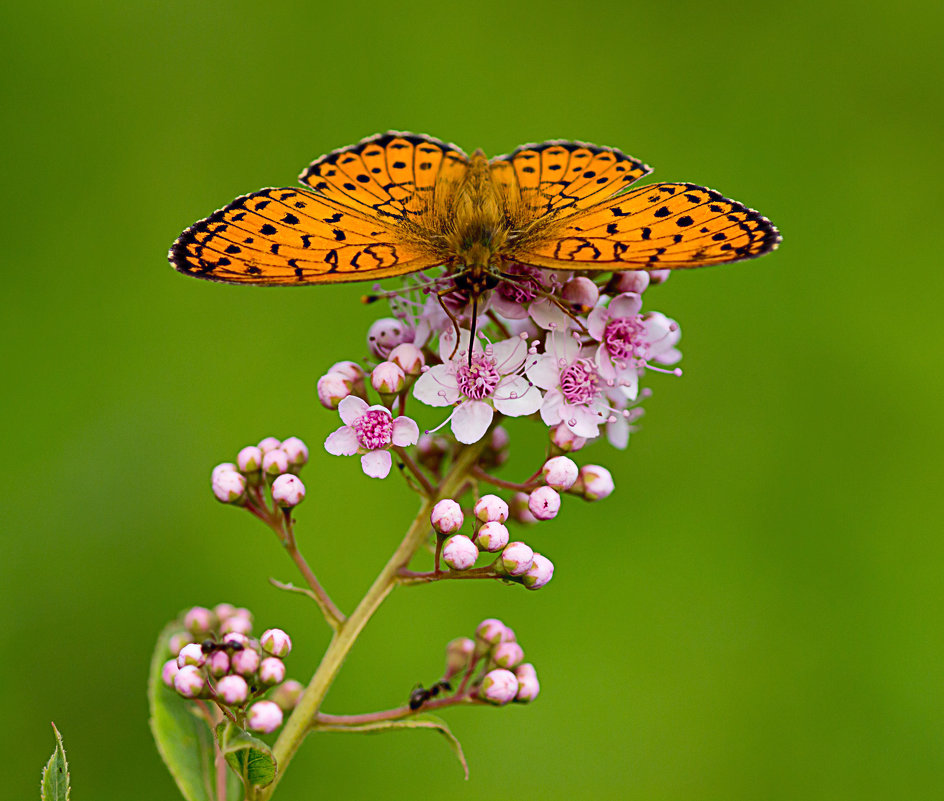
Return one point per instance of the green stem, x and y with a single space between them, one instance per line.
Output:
299 724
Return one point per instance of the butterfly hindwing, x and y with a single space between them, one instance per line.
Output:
294 236
392 174
561 178
661 226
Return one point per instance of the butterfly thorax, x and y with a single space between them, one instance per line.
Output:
476 226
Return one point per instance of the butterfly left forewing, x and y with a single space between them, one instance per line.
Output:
661 226
290 236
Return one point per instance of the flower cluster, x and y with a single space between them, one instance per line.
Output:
561 346
215 657
271 465
489 667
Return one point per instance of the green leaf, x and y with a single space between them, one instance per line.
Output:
55 783
251 758
416 722
183 739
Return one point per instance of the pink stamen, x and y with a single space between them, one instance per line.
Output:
374 429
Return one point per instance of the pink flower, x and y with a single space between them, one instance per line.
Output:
576 394
629 340
492 381
370 431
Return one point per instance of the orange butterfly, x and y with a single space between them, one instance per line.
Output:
397 203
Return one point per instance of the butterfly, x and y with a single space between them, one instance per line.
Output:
397 203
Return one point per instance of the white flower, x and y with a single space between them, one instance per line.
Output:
575 394
371 431
491 380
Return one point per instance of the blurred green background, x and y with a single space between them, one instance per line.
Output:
757 612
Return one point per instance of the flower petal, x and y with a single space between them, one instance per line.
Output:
551 407
509 354
626 305
544 372
437 386
405 432
516 397
376 464
471 420
617 432
563 346
549 315
342 442
351 408
596 322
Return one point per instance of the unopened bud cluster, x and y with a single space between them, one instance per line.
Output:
272 466
215 657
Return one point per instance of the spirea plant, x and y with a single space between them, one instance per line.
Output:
570 353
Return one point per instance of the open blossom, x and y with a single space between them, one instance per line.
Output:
370 431
628 340
492 381
576 393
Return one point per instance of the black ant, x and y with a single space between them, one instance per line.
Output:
209 646
421 695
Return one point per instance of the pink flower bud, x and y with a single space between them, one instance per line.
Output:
516 559
275 462
189 682
237 624
507 654
408 358
288 491
388 378
500 438
659 276
238 637
271 670
492 537
217 664
334 388
200 621
296 451
447 517
286 695
168 671
560 473
595 482
191 654
491 508
459 552
566 440
350 370
490 631
544 503
518 509
269 444
581 293
249 459
629 281
223 611
458 655
385 334
276 642
229 486
232 690
245 662
540 572
528 687
221 467
499 686
264 716
178 641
